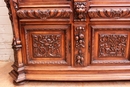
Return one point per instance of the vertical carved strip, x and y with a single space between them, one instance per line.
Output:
79 45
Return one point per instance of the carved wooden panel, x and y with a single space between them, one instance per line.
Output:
48 45
80 45
110 44
109 13
44 13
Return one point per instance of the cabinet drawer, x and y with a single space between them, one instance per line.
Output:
47 44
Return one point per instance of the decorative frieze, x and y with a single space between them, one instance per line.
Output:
44 13
109 13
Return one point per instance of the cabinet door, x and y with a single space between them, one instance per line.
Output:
110 44
47 44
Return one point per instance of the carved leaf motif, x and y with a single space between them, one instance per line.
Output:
109 13
47 45
44 14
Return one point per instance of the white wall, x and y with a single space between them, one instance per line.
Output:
6 52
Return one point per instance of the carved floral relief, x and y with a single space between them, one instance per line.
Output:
46 45
112 45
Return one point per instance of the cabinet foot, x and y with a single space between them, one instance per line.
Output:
19 83
18 74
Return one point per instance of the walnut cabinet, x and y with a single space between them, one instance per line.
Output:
70 40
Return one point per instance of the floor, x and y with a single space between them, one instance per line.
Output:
7 81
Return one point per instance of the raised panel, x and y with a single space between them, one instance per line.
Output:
110 44
47 45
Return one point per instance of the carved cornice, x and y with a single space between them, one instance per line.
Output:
80 11
109 13
79 44
43 13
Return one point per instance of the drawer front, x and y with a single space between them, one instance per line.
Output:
47 44
110 44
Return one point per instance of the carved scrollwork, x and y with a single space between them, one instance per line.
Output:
80 11
80 44
43 13
109 13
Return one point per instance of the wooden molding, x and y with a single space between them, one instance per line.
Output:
44 13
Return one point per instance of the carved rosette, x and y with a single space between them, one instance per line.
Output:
80 11
44 13
79 45
109 13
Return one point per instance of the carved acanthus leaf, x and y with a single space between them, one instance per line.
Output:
44 13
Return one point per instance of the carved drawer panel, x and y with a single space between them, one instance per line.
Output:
102 14
110 44
42 13
47 45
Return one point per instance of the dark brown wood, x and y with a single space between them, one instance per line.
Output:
70 40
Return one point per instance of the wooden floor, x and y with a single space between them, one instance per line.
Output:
7 81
